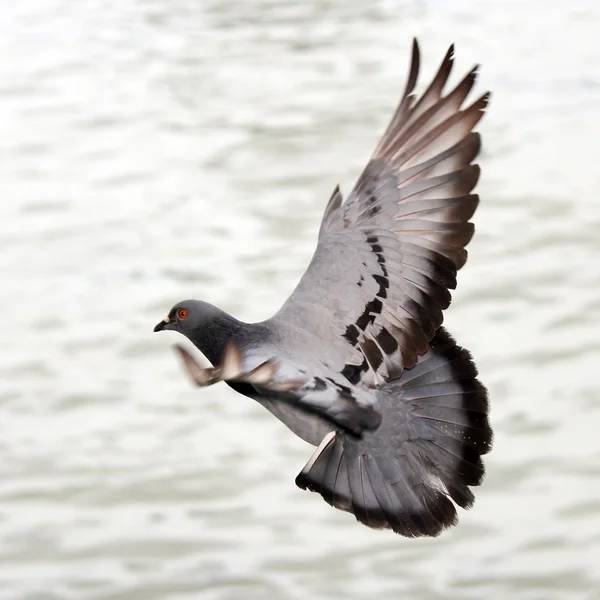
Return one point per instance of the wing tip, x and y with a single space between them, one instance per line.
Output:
483 101
413 74
450 52
415 45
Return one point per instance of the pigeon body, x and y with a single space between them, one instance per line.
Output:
356 361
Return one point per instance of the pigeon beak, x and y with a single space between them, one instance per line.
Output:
162 325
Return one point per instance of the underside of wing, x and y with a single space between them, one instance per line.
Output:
387 257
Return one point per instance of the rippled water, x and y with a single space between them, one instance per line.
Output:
152 151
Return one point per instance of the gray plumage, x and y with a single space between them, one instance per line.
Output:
391 401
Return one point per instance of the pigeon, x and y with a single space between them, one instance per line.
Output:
357 362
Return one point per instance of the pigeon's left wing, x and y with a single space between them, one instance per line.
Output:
323 393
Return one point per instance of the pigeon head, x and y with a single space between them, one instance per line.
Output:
205 325
189 317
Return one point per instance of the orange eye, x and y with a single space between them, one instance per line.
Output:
182 313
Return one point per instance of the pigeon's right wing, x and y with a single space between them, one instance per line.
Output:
372 298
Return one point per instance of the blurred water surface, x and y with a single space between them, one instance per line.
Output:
152 151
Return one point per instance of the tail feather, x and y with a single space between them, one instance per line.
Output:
425 505
334 483
384 494
409 473
365 506
452 460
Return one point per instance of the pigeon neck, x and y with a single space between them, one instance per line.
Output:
212 337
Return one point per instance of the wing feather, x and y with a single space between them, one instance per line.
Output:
373 295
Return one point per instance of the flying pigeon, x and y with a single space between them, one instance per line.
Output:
356 362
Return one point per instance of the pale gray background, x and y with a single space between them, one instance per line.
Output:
152 151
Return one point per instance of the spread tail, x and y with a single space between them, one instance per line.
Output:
425 454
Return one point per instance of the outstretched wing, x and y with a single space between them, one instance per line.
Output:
375 289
